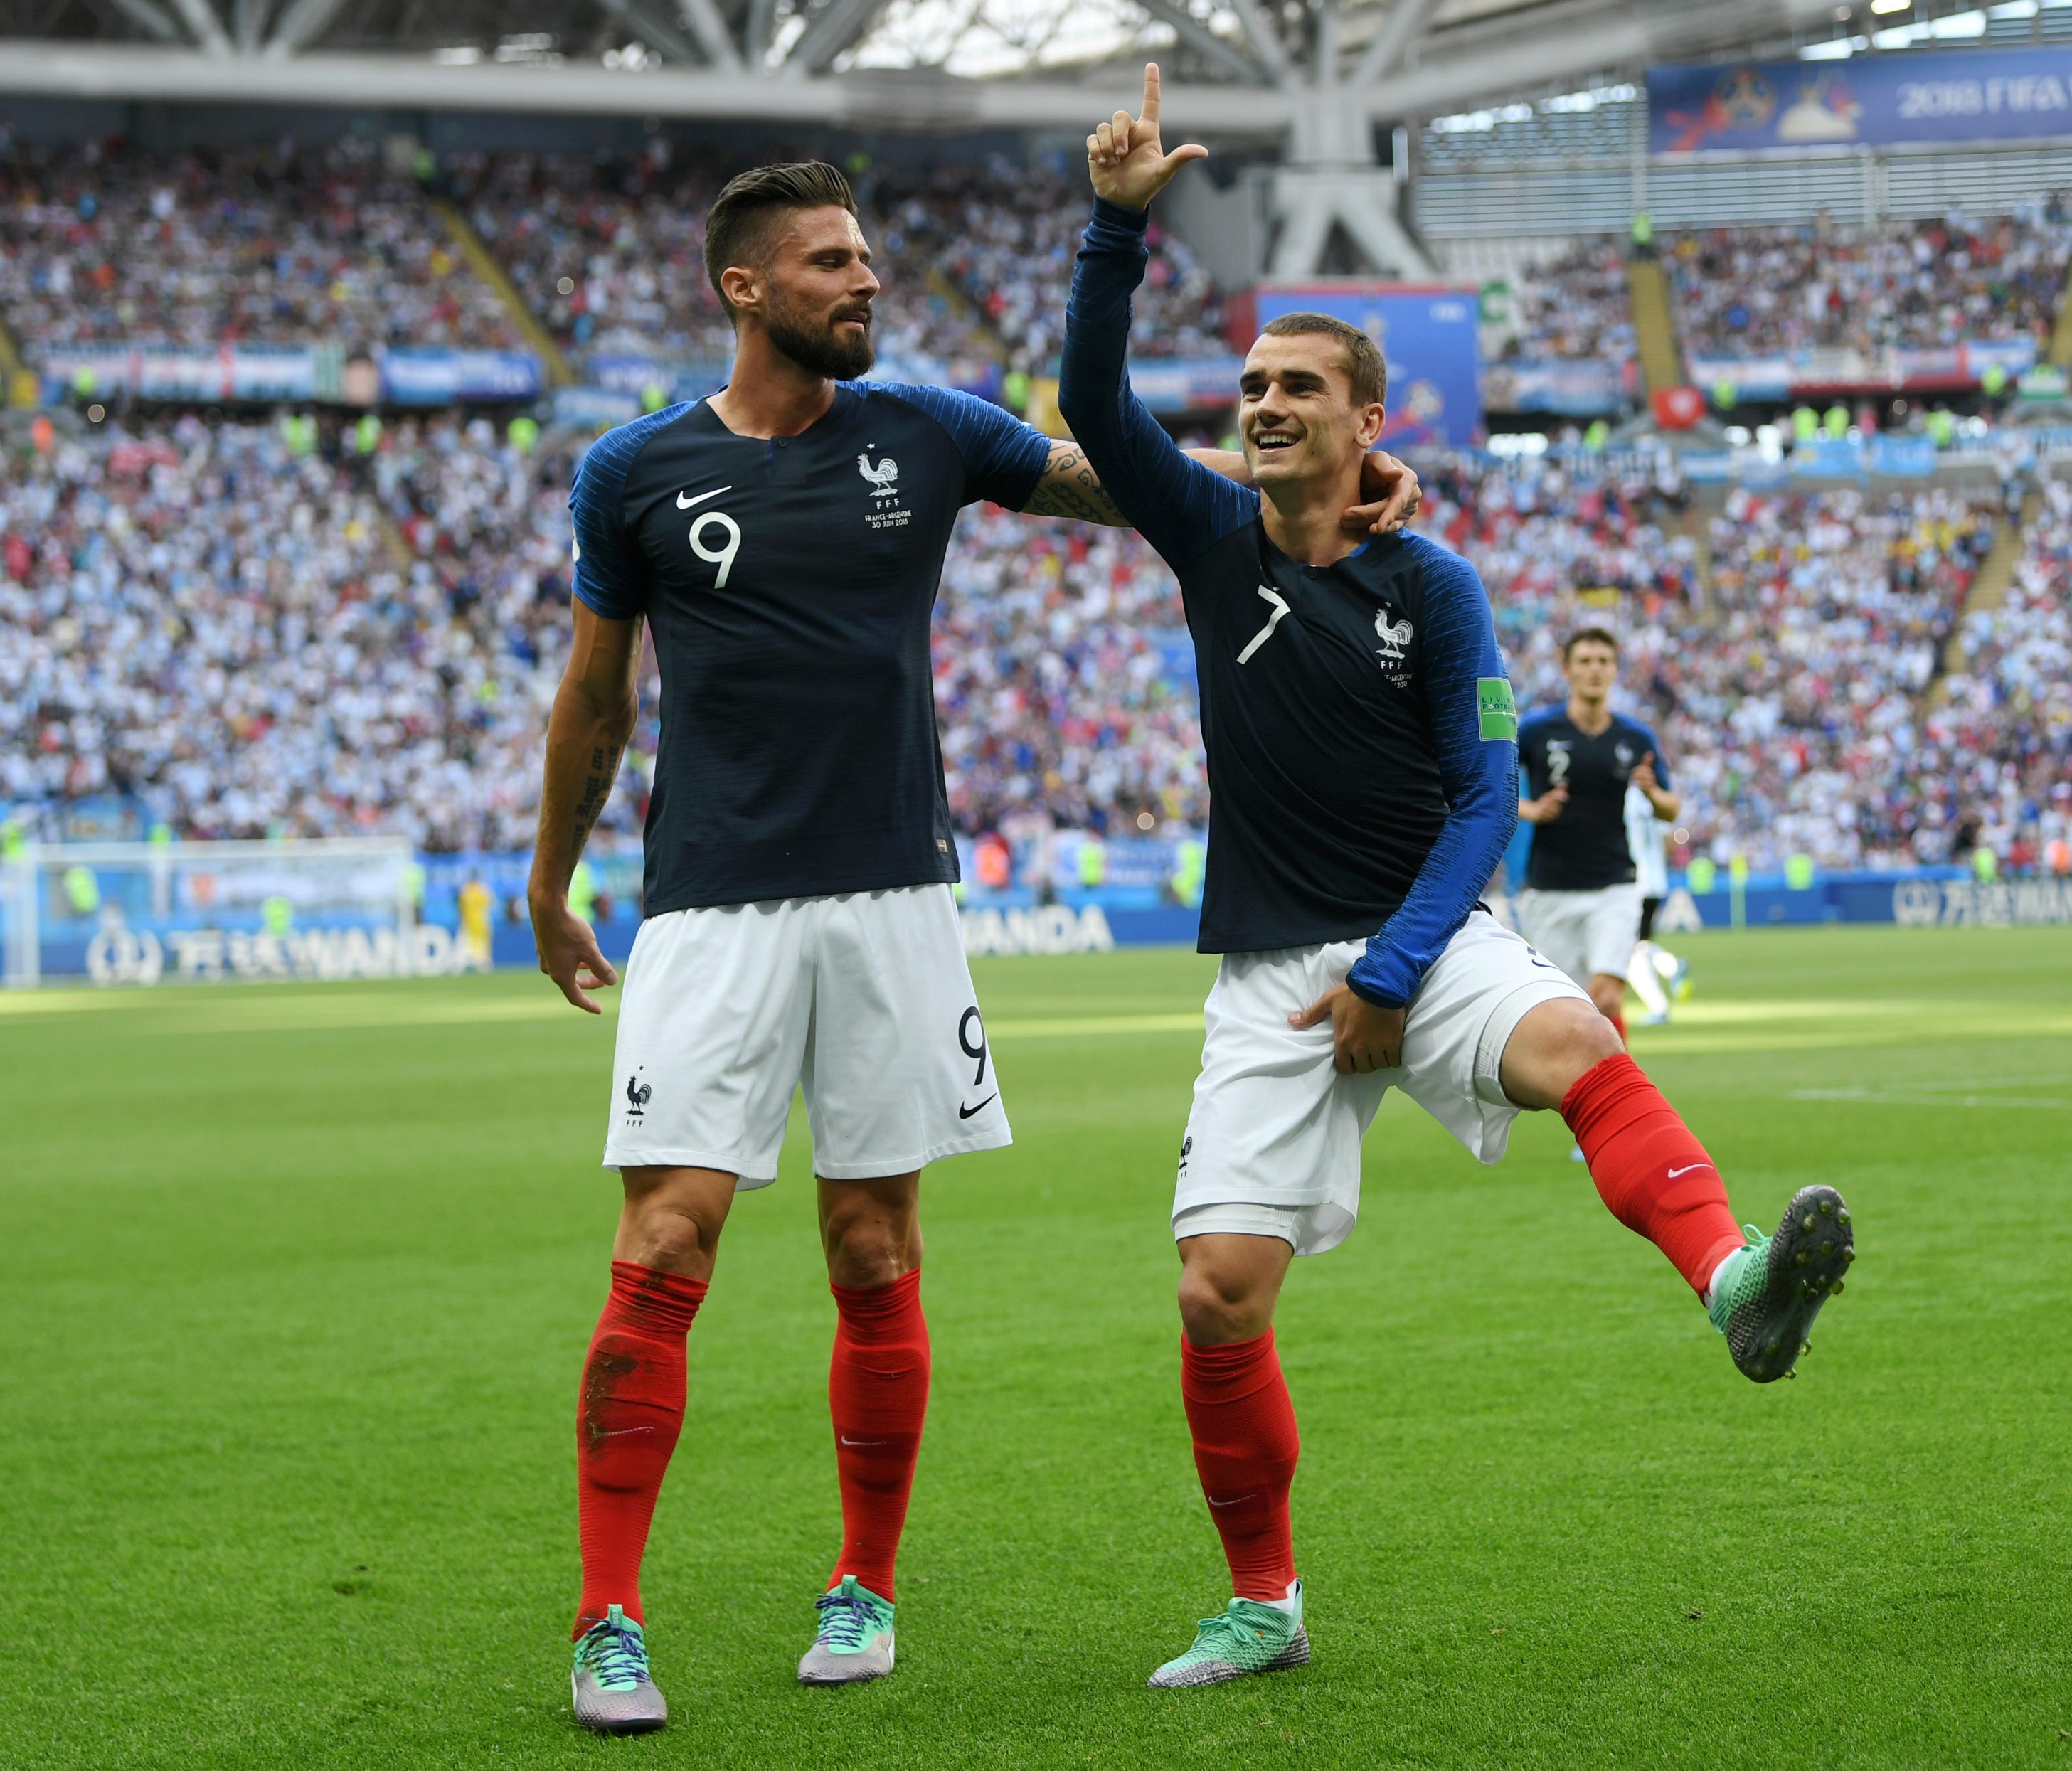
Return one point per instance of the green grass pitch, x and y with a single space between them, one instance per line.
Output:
294 1283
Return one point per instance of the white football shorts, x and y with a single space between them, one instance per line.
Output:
864 999
1584 933
1273 1146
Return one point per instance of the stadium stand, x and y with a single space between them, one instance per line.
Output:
1574 306
265 245
1058 680
199 614
1754 291
2001 743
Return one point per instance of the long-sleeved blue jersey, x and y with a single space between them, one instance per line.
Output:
1361 738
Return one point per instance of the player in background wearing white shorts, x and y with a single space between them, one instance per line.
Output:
1361 755
1655 974
783 541
1581 902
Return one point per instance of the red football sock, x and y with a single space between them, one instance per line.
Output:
1245 1448
1652 1172
878 1392
1618 1023
626 1423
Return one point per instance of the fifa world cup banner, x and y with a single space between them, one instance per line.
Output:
1429 339
1964 95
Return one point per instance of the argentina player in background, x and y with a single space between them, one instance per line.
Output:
1362 751
782 542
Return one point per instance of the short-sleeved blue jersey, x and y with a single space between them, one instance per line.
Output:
788 582
1585 848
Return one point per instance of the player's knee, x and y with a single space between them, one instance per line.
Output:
671 1227
1218 1307
1584 1042
866 1248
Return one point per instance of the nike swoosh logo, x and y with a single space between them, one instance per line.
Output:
1686 1168
1233 1503
684 504
966 1112
863 1442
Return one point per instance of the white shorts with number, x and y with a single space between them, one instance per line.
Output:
1584 933
1273 1146
864 999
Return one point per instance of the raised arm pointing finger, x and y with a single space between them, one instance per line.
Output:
1125 158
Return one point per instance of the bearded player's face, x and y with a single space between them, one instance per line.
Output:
818 292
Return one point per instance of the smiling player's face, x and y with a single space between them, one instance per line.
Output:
1296 411
818 291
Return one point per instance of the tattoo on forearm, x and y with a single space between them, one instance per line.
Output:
597 789
1070 487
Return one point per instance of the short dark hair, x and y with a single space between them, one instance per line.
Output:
1583 636
1368 372
737 230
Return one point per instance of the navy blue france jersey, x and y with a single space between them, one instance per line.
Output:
788 582
1586 846
1359 726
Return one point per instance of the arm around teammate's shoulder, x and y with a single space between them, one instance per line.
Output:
1474 735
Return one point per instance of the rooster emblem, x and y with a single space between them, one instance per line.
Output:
638 1095
1394 638
884 478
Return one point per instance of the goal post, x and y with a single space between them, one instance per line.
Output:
145 913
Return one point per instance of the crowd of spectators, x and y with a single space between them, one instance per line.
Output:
1998 752
1798 719
115 244
362 633
1759 291
1004 233
1791 703
1574 306
1063 681
253 637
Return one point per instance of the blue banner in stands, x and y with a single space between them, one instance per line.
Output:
1429 339
431 376
1964 95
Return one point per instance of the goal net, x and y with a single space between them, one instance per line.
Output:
151 912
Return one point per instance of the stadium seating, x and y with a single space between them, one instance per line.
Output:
1573 307
2000 749
239 634
246 244
1758 290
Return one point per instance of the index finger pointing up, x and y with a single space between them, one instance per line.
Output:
1149 114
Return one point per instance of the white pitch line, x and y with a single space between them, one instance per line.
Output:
1879 1098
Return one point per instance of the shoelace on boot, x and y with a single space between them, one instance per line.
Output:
617 1658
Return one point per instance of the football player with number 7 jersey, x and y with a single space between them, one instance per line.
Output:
1362 761
783 541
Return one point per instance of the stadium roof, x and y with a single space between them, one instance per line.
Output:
1232 65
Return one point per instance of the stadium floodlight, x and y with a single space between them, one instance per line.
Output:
141 913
